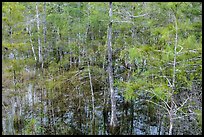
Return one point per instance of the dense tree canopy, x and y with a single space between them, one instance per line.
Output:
56 64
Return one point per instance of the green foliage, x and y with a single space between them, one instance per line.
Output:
30 126
162 92
135 53
199 117
50 84
130 91
146 43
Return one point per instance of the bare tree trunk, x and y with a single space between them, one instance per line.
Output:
171 120
93 100
132 117
48 127
53 118
171 112
41 110
32 108
79 35
113 121
44 25
44 32
39 43
31 42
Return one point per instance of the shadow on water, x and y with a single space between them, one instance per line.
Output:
36 110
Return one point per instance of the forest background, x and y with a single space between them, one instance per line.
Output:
100 68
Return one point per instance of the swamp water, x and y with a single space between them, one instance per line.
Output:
37 111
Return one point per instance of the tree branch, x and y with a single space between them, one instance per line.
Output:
138 15
116 21
182 104
158 105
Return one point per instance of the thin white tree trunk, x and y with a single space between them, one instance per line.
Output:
44 26
31 42
79 35
38 27
93 100
171 112
110 71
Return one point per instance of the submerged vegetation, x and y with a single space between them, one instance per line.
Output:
101 68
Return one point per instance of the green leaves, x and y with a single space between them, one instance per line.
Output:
30 126
134 54
162 92
138 53
130 90
50 84
143 47
199 117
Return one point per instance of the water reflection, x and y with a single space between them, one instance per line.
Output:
41 112
69 115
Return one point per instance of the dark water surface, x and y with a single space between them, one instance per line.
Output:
37 111
34 110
